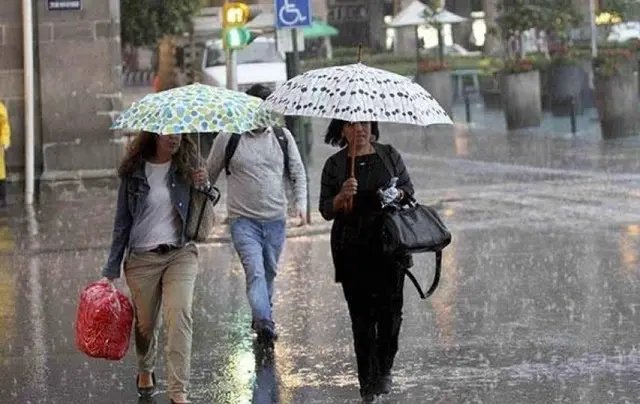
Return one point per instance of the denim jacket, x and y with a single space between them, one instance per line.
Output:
131 197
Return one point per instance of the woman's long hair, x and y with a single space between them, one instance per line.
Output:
334 133
143 147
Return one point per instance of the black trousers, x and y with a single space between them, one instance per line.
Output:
375 306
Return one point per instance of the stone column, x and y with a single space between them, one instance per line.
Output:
80 70
11 80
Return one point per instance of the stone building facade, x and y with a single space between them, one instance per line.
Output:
78 83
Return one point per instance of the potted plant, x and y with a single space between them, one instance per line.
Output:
565 81
435 77
521 94
520 79
616 92
565 74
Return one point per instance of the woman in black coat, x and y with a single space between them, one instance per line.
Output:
372 282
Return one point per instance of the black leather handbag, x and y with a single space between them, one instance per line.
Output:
414 228
411 228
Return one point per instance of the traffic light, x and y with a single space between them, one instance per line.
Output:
234 18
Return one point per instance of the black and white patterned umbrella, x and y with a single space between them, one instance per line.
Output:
357 93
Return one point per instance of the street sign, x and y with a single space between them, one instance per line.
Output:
284 40
293 13
59 5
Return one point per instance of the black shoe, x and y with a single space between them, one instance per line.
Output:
384 385
146 392
369 398
267 337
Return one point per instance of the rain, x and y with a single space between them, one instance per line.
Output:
538 301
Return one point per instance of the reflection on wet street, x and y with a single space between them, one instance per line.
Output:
539 301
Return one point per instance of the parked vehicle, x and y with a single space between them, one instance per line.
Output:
258 63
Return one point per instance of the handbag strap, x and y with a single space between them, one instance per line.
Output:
436 278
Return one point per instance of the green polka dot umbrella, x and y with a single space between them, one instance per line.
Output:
196 108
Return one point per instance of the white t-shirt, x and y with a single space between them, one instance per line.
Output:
159 221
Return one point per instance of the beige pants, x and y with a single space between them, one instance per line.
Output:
165 281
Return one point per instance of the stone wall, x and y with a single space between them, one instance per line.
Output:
78 84
11 79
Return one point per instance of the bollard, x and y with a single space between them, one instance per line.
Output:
572 114
467 104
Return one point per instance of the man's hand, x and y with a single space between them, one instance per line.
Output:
303 218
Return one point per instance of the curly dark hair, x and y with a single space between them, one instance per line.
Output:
143 147
334 133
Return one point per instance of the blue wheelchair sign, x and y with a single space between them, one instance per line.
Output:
293 13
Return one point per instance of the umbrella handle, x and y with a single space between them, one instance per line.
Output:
199 151
352 170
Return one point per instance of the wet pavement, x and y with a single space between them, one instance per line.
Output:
539 301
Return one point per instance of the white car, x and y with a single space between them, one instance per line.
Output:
258 63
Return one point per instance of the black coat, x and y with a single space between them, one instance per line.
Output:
344 239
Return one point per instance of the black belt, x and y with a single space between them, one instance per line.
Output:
164 249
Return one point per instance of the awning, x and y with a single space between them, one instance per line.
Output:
319 29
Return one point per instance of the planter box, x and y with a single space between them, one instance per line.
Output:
492 98
521 99
440 86
617 102
566 83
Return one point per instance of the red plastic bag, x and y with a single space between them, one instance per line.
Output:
103 323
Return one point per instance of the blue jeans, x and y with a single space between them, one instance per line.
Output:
259 245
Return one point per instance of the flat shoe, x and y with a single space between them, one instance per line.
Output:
146 392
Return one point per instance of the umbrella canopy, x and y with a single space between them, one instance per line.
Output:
446 17
196 108
357 93
414 15
319 29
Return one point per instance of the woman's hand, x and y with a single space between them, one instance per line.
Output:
348 190
200 177
349 187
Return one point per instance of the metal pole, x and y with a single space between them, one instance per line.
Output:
467 105
440 43
29 101
572 110
415 32
299 127
594 28
232 70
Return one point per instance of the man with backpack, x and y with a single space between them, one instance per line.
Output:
258 165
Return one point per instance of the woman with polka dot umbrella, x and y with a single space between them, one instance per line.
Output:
357 183
195 108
